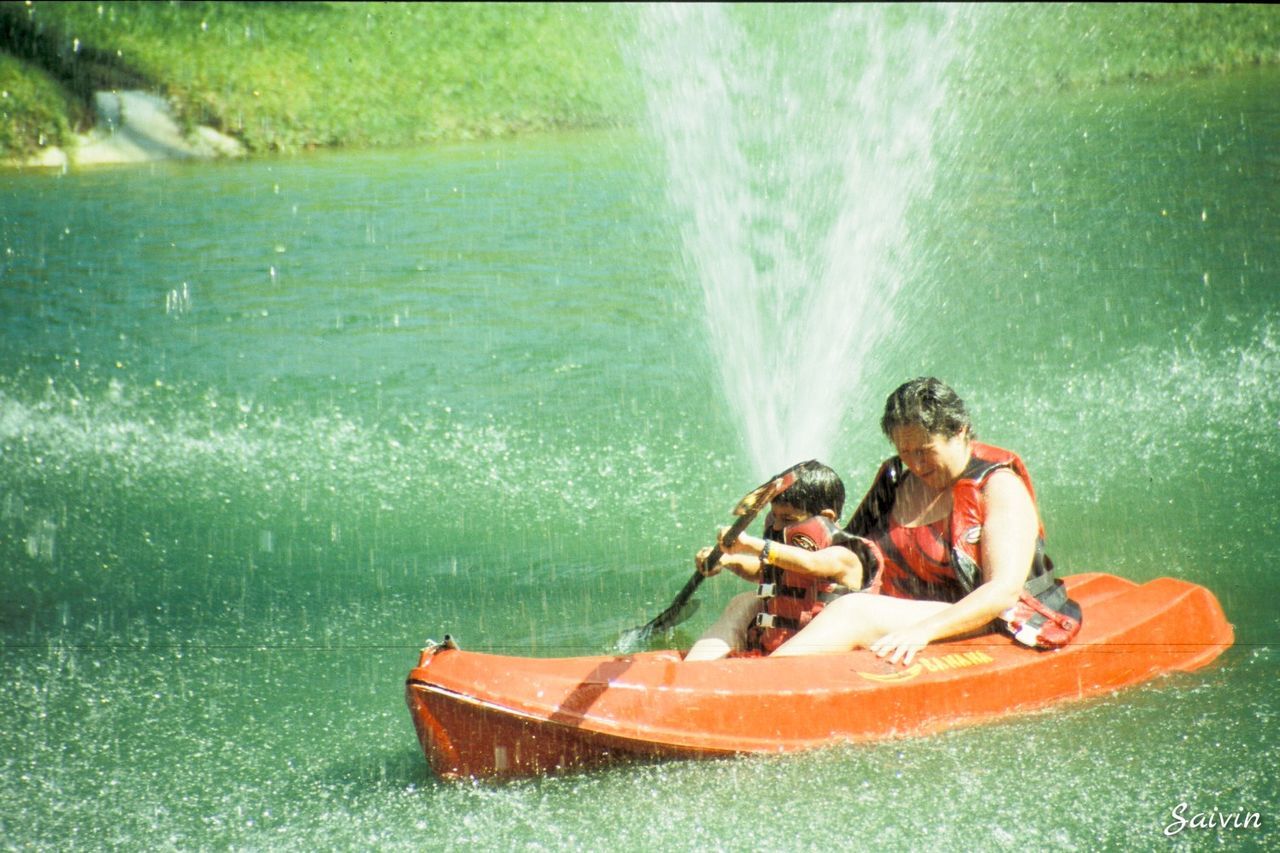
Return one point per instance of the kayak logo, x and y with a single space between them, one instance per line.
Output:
892 677
959 660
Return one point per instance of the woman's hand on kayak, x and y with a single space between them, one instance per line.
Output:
901 646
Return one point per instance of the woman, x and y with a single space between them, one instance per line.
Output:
960 537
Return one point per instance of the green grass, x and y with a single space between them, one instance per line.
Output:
290 76
284 76
34 110
1040 47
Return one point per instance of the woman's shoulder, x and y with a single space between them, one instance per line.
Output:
1004 487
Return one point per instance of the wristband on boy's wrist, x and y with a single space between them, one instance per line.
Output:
766 554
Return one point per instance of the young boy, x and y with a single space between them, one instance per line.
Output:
803 561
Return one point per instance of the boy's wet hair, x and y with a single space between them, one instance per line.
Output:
817 487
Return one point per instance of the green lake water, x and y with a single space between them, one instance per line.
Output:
268 426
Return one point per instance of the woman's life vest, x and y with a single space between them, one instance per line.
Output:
790 600
1044 616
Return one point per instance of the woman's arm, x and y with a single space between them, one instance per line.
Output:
1009 534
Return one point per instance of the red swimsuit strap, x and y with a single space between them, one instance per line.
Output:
915 554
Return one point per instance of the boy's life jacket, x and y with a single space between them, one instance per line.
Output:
790 600
1044 616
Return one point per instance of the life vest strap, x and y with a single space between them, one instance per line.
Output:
1040 584
769 620
826 595
1034 624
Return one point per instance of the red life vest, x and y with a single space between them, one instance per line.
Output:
1045 617
968 512
789 599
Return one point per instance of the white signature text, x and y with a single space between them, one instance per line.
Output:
1210 820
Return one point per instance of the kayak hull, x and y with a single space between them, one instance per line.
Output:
480 715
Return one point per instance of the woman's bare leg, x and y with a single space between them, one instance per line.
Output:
856 621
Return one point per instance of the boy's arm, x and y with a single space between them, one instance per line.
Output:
836 563
745 565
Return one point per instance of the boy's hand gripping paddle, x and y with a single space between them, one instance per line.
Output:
682 607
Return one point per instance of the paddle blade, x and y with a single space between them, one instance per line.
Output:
755 500
674 615
638 639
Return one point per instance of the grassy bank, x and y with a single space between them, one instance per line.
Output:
1045 47
289 76
286 76
34 110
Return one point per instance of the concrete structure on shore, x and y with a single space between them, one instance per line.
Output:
136 127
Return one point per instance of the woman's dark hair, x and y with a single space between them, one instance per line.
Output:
816 488
928 403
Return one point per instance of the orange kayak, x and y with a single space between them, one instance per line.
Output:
481 715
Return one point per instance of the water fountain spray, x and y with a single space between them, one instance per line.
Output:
798 141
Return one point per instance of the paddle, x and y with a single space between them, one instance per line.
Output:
681 608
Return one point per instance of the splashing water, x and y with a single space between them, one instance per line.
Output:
797 141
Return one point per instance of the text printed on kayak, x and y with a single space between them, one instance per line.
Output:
960 660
